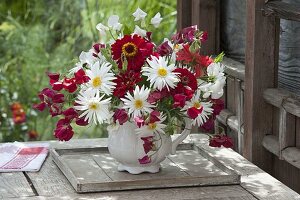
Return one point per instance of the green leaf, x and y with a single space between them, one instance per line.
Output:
219 58
126 30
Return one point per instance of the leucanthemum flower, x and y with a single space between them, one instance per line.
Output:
137 104
101 79
198 110
160 74
153 127
93 107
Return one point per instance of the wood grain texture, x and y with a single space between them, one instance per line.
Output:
298 132
194 193
234 68
14 185
208 10
270 142
94 170
262 41
283 10
183 14
292 156
283 98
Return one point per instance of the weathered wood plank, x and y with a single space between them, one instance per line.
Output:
270 142
283 98
199 193
283 10
292 156
208 10
184 8
287 133
262 43
254 180
234 68
50 180
14 185
298 132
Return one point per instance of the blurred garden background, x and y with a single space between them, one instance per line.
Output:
39 36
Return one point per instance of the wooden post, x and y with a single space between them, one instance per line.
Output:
206 14
262 42
184 17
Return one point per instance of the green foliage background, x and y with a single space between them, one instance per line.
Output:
37 36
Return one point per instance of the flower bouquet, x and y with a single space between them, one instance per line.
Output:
142 90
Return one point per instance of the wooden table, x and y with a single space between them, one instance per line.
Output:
50 183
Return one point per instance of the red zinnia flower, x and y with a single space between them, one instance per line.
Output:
187 78
64 130
134 49
126 82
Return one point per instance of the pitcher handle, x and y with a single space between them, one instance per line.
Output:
183 135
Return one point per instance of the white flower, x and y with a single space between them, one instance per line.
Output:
84 58
139 14
139 31
215 72
155 21
155 127
113 22
102 29
204 107
137 104
160 74
93 107
100 79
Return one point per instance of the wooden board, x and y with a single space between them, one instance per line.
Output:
14 185
93 170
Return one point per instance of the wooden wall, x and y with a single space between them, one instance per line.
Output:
263 120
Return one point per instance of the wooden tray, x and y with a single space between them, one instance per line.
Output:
94 170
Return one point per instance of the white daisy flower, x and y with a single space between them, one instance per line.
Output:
137 104
113 22
139 31
101 79
139 14
160 74
155 21
84 58
94 108
204 107
155 127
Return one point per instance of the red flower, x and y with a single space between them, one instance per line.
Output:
121 116
204 36
134 49
70 114
16 106
64 130
164 49
148 143
80 77
97 48
81 121
187 78
139 121
126 82
69 84
209 124
218 106
157 95
154 116
145 160
179 100
219 140
33 134
185 35
19 117
193 112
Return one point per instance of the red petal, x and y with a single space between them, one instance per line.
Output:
193 112
40 106
57 86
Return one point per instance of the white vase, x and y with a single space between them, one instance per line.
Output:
126 146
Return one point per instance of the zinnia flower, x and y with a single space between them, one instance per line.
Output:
134 49
126 82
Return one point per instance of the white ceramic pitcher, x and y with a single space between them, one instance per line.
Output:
127 148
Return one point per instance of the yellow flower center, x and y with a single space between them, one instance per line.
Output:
93 106
176 46
129 49
138 104
162 72
152 126
197 105
96 82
